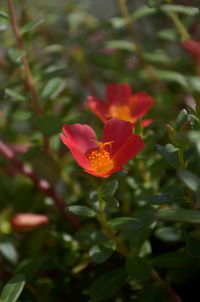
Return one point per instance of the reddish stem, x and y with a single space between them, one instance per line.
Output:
42 184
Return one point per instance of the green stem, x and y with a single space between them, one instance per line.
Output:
179 25
121 248
181 159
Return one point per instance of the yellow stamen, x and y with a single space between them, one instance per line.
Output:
100 159
101 145
121 112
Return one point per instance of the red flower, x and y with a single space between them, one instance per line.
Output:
194 48
24 222
120 103
102 158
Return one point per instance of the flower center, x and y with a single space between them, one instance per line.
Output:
100 159
121 112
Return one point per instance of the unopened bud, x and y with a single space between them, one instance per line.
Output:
24 222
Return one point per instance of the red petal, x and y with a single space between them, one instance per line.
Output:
78 155
132 147
99 107
104 175
80 136
146 123
141 102
80 139
118 94
118 132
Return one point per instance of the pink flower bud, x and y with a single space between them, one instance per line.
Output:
193 47
24 222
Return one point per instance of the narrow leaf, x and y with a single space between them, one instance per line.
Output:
4 14
189 179
13 289
82 211
172 76
110 188
183 9
14 94
125 223
143 11
170 157
179 215
121 44
29 26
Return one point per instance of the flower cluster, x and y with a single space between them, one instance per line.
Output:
118 144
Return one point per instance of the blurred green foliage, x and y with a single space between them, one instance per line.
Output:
154 207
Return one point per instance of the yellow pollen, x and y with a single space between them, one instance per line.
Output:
100 159
121 112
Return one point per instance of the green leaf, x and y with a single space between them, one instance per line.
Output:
159 57
110 187
160 198
14 94
21 115
179 215
194 83
29 26
189 179
143 11
169 234
121 44
169 34
15 55
4 14
193 245
56 73
12 290
111 200
107 285
53 88
183 9
125 223
3 27
145 249
82 211
181 119
100 254
118 22
48 124
9 252
138 268
170 157
137 239
172 76
178 259
30 266
194 122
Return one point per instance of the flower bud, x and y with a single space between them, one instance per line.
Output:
24 222
194 48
